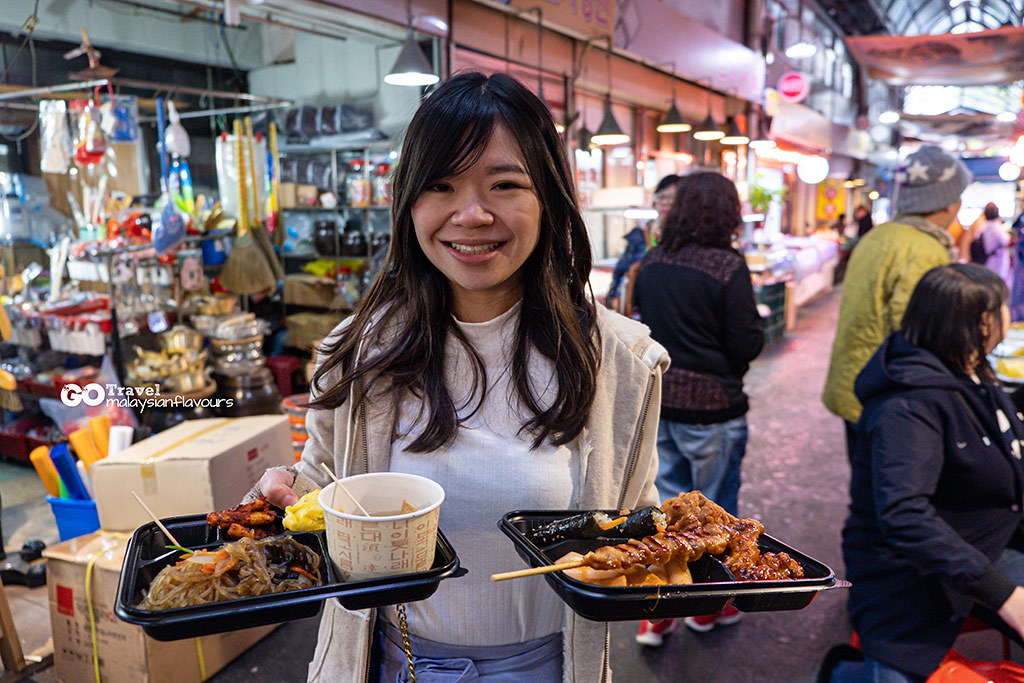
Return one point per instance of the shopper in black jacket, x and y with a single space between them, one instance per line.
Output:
935 518
694 291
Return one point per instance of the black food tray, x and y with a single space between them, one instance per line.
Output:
713 589
147 554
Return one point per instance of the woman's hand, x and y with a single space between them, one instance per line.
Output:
276 486
1012 611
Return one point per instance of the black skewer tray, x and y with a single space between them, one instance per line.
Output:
147 554
713 587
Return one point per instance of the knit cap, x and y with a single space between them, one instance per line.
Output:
931 181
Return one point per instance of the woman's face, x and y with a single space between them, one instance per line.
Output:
995 333
663 202
479 227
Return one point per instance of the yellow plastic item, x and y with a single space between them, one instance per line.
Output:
40 458
85 447
306 514
100 427
8 381
1011 367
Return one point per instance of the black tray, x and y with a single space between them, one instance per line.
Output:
147 554
713 589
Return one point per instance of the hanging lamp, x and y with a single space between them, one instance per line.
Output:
609 132
673 121
709 130
411 68
733 134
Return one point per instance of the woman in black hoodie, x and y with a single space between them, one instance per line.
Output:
935 525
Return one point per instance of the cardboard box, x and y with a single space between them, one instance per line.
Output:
126 654
287 195
306 195
195 467
304 289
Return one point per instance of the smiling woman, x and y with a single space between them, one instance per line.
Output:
479 360
479 227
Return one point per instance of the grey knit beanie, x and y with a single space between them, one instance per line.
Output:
930 181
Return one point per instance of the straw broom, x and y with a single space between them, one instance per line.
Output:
258 231
246 270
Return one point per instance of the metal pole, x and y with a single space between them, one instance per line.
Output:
63 87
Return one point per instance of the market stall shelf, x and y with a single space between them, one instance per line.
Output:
713 587
147 554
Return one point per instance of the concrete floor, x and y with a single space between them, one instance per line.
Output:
795 480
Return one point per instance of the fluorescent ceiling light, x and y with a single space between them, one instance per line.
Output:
1006 117
640 214
801 50
762 143
1009 171
889 116
753 217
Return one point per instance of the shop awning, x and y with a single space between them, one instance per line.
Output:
994 57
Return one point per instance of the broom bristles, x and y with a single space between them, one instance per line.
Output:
246 270
263 240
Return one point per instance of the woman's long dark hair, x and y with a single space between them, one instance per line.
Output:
403 322
706 212
945 312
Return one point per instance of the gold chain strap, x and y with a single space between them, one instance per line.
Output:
403 626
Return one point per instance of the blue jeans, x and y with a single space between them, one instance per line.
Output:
702 457
871 671
538 660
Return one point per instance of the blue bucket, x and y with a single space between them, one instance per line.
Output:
74 517
214 252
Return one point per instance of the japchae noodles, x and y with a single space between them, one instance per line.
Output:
242 569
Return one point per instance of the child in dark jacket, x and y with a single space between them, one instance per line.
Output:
935 525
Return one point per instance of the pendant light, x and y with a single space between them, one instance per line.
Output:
673 121
709 130
733 134
584 136
609 132
411 68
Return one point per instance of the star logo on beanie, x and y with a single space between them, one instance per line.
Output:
919 171
947 173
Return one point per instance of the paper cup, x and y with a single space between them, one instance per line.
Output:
386 543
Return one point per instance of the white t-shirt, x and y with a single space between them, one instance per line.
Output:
489 470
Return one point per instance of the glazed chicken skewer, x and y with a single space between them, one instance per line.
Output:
697 526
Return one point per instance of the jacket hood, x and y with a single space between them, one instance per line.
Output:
897 365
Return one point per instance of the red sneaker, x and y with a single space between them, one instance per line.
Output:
706 622
653 635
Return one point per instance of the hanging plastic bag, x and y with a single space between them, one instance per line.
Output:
169 230
227 173
55 140
90 141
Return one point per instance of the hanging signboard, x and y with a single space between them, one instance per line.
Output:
831 199
993 57
793 86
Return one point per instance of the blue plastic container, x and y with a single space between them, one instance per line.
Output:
74 517
214 252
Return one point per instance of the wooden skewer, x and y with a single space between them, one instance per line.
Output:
342 487
533 571
158 522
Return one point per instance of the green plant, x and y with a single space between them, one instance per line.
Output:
761 197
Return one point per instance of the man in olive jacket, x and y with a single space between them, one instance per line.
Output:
886 266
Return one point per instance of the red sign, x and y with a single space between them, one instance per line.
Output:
793 86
